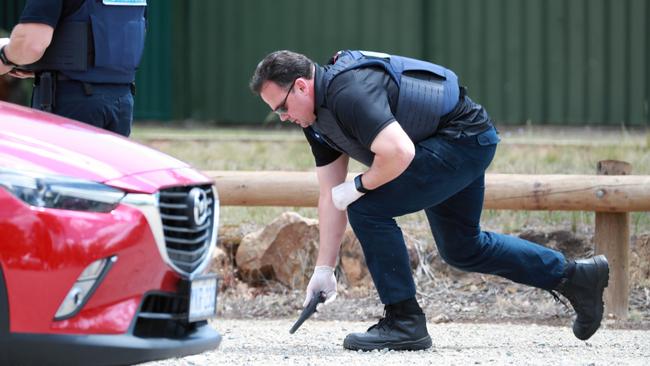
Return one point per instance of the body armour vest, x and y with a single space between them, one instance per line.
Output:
116 31
426 92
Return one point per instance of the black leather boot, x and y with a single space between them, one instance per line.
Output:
403 327
584 289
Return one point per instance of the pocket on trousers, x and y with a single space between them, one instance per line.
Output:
442 152
489 137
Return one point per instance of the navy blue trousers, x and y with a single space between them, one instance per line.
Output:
110 106
446 180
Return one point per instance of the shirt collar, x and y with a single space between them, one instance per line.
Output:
319 87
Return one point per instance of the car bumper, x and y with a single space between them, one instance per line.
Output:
125 349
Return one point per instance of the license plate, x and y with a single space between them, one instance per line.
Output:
203 298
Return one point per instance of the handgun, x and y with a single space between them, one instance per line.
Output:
308 311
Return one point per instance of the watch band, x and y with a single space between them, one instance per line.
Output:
4 59
358 184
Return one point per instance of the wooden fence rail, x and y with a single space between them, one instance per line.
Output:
598 193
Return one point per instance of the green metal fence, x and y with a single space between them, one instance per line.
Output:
10 12
154 77
544 61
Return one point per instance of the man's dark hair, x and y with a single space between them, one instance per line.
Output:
282 68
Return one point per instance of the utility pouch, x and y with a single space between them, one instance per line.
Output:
70 50
45 91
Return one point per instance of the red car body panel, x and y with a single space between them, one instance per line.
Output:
42 141
61 245
43 251
152 181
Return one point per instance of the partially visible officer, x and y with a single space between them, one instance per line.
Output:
427 146
83 55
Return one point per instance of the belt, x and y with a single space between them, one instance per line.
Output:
88 86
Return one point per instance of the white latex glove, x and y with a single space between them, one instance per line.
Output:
4 41
344 194
321 280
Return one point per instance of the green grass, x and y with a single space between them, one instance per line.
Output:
522 151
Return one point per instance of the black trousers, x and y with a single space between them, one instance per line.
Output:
107 106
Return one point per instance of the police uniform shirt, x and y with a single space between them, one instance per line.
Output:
48 12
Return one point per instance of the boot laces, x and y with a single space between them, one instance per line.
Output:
384 322
558 298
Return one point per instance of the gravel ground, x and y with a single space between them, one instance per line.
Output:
474 320
268 342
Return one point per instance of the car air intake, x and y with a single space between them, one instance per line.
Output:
187 215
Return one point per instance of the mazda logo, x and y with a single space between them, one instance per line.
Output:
198 205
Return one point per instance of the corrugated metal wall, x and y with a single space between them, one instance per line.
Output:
228 38
154 77
550 61
544 61
10 13
554 61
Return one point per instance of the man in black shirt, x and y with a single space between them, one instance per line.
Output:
427 146
83 55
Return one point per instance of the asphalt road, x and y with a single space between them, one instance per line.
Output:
268 342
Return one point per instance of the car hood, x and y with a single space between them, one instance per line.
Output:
39 141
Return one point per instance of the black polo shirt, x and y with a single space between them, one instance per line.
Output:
363 100
48 11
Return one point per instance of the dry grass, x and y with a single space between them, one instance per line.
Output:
523 150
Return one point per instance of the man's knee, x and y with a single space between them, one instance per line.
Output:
463 252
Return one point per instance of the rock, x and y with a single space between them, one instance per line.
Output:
222 265
285 251
441 318
353 263
229 237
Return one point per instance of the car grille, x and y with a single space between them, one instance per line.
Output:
164 315
187 237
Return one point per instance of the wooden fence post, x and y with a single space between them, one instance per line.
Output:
612 238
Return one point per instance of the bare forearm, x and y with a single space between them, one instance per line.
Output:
332 223
28 42
385 169
394 151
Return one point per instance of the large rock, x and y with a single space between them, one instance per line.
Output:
284 251
353 263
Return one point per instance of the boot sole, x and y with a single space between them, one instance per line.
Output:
417 345
603 281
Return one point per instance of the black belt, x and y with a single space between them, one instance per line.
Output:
88 86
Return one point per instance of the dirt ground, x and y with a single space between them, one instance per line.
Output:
448 295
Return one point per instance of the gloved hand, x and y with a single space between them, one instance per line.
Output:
4 41
322 280
344 194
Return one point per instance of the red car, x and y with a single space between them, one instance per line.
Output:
104 244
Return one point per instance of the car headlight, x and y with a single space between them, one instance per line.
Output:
51 191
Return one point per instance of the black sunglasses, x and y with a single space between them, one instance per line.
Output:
282 108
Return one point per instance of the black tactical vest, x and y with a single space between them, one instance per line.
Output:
426 92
